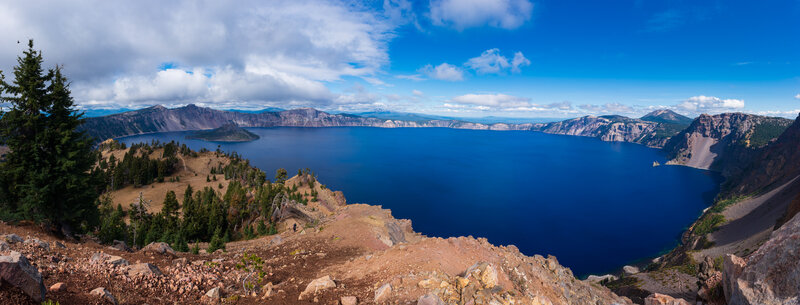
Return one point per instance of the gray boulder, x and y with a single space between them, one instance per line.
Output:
102 258
104 294
13 238
160 248
38 243
143 269
17 271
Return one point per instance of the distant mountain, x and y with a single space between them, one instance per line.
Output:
90 113
509 120
401 116
667 116
229 132
268 109
724 142
191 117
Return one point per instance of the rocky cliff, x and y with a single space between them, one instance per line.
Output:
724 142
774 165
191 117
653 130
771 275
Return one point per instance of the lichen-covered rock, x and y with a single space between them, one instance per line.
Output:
12 238
771 275
17 271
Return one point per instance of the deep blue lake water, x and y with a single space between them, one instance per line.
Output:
595 205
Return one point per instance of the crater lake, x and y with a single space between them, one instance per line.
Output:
595 205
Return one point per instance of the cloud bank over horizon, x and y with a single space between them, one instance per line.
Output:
470 57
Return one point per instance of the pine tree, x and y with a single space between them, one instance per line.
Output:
47 176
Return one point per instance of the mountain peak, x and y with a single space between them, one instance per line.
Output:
666 116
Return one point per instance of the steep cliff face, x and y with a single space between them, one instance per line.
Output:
191 117
724 142
611 128
771 275
775 164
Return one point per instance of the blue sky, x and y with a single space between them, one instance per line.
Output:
514 58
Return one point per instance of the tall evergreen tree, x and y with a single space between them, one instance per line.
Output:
47 174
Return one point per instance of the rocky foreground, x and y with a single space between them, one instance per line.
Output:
350 254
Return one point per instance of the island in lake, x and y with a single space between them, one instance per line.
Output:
230 132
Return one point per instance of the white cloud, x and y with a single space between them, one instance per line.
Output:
519 61
504 103
463 14
797 96
709 104
276 51
492 62
417 93
443 71
609 108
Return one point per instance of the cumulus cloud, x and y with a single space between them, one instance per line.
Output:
709 104
797 96
443 71
463 14
503 102
281 51
608 108
492 62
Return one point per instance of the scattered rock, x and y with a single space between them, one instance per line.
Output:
102 258
179 261
160 248
58 287
38 243
349 300
663 299
104 294
383 293
213 294
430 299
630 270
322 283
4 246
17 271
12 238
483 272
58 244
121 246
143 269
267 291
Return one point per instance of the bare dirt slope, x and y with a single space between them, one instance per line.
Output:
749 223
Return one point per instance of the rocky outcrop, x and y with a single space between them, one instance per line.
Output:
104 295
776 164
771 275
724 142
653 130
18 272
